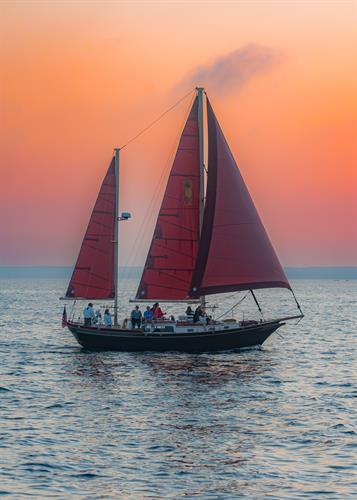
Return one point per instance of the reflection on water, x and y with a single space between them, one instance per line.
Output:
208 370
278 421
191 372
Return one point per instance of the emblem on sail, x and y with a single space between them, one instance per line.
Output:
188 194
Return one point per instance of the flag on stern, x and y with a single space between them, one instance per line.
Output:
64 317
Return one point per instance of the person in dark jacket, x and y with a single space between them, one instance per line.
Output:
189 312
198 314
136 317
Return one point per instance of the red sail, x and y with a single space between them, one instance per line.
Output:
93 275
235 252
171 259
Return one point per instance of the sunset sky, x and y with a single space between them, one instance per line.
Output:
79 78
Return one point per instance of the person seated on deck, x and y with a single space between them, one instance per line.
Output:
107 318
189 313
88 314
157 312
148 315
136 317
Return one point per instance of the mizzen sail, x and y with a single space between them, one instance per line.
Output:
171 259
235 252
93 275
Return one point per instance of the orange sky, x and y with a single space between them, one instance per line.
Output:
78 78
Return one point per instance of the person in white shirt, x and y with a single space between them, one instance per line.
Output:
88 314
107 318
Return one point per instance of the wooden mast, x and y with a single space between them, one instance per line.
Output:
116 236
200 91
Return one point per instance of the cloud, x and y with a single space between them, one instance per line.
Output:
230 72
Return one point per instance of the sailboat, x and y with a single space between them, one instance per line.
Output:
208 239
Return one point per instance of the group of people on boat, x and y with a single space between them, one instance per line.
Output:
150 314
197 315
155 313
93 318
137 318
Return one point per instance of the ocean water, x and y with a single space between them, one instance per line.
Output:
279 423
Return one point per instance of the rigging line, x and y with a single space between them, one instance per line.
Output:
135 246
297 303
298 321
257 303
157 119
233 295
139 237
143 226
233 307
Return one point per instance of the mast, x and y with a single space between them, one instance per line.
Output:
200 91
116 235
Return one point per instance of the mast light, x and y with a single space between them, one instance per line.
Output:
125 216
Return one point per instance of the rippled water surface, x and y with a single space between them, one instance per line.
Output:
273 423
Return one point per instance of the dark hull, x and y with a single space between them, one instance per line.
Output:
116 339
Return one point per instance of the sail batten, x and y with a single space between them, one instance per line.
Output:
175 240
93 275
235 252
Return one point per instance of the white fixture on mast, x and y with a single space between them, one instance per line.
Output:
123 216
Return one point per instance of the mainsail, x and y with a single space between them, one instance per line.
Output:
93 275
172 256
235 252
